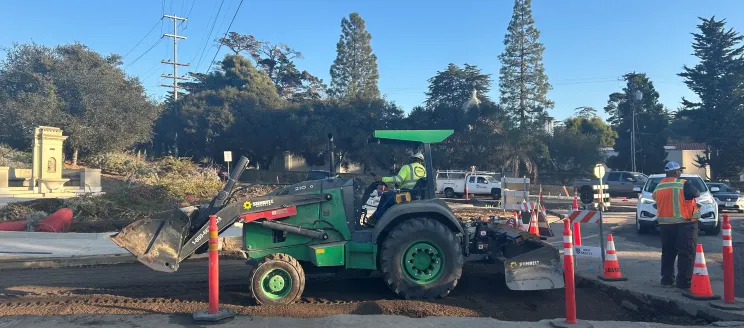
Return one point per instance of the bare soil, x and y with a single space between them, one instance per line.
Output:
136 289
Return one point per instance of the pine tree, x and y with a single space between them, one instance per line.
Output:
523 83
354 71
718 80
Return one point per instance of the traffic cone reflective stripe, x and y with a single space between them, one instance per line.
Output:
700 285
611 270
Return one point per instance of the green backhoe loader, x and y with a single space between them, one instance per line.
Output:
418 245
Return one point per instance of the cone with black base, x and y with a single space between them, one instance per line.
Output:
700 285
611 270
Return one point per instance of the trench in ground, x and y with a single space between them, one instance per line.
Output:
480 292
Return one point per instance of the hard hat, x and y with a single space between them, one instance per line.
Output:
418 155
673 166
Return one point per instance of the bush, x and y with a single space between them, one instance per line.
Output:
124 164
181 179
14 158
152 186
19 210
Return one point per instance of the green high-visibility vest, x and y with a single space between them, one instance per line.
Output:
407 176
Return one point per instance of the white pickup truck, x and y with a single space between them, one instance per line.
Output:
452 183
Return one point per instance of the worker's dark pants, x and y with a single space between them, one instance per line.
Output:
678 240
386 201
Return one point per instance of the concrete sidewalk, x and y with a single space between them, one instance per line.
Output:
641 264
335 321
46 249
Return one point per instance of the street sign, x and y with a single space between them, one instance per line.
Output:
599 170
587 251
228 156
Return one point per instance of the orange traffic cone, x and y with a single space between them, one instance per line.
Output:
575 203
700 285
611 270
534 229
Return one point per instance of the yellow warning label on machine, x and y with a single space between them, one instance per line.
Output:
320 251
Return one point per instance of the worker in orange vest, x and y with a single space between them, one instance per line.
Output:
677 215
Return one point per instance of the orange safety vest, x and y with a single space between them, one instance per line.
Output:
671 204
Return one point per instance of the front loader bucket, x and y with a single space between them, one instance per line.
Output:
533 265
157 241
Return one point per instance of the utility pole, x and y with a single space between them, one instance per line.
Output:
632 133
175 62
635 96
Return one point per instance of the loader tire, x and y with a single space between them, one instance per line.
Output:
277 279
421 259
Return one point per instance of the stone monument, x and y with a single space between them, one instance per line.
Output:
48 160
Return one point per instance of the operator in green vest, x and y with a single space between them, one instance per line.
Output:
409 174
406 178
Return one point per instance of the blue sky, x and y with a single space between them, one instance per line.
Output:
589 44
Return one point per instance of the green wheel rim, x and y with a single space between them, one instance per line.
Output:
276 284
423 262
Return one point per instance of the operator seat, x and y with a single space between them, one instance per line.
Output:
418 192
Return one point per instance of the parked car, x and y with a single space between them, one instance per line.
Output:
619 184
452 183
727 198
646 209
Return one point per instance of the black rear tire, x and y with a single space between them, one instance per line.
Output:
421 240
496 193
285 270
449 193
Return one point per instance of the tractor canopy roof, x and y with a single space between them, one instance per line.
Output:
411 136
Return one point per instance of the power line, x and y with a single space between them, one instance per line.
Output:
143 38
210 34
206 37
148 50
186 23
228 30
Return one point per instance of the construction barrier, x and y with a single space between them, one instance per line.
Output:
729 300
611 271
59 221
213 313
584 216
700 288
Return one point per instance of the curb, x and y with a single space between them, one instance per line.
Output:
653 304
226 243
